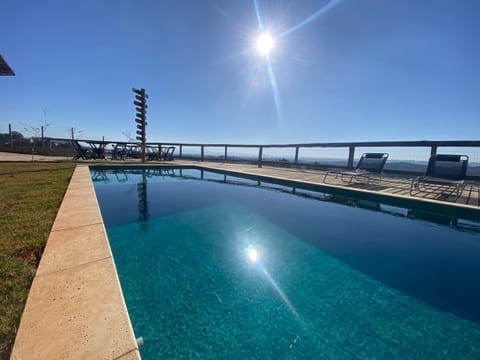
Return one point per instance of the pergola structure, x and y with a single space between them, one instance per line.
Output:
5 69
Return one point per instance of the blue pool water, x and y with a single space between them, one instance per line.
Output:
217 266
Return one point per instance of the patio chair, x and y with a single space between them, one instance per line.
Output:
81 152
368 165
151 153
119 152
167 153
444 173
133 151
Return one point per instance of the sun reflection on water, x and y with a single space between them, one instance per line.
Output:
253 255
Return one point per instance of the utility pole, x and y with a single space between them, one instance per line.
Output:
73 130
43 140
10 134
45 124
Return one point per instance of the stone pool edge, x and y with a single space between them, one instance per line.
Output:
75 308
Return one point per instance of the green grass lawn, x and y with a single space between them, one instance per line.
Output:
30 195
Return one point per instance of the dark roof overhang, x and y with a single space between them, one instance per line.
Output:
5 70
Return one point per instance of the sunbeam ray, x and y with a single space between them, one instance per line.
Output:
259 17
312 17
283 296
273 81
271 74
256 259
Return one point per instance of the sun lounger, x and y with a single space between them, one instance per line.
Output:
445 173
368 165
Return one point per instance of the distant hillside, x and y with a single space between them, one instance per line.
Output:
401 165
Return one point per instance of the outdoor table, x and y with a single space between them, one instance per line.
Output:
98 148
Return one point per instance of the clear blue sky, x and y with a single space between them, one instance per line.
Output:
360 70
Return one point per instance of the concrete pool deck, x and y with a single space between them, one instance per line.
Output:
75 308
6 156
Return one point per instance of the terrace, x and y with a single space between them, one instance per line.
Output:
91 256
309 162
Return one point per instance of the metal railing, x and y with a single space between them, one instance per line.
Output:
224 152
345 153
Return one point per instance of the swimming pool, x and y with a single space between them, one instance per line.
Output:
220 266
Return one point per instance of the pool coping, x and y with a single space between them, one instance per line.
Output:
75 308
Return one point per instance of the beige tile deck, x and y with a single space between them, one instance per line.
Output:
75 308
68 215
62 252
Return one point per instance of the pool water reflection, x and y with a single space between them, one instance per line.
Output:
213 265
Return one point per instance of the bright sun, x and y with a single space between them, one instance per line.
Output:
264 44
252 254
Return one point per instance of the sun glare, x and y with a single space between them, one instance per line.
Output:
264 44
252 254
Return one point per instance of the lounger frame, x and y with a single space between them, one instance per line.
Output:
368 165
442 179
